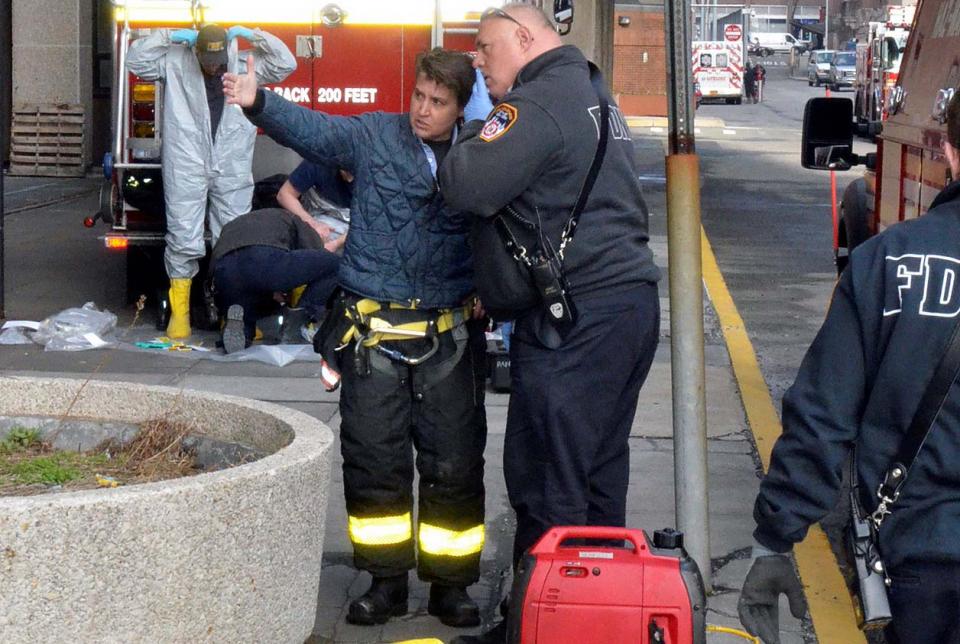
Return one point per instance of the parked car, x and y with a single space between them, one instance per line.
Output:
843 69
818 66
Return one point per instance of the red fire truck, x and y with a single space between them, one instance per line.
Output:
908 169
878 65
352 56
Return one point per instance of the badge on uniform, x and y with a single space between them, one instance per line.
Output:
502 119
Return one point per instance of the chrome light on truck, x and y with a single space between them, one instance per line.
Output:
940 104
895 99
332 15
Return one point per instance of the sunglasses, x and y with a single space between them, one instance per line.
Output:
495 12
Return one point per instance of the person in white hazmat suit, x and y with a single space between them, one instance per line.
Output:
207 145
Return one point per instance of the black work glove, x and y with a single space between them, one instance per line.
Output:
759 605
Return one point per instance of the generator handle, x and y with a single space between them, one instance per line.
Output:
555 537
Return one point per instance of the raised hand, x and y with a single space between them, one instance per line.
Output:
241 89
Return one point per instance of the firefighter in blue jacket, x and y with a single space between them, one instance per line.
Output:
891 318
411 355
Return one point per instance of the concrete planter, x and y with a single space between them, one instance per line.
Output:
227 556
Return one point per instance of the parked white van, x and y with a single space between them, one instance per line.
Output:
769 43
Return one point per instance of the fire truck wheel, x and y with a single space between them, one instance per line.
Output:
854 214
109 201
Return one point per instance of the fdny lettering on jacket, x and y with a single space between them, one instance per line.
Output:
931 277
619 130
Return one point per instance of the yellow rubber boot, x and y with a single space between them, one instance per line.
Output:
295 295
179 325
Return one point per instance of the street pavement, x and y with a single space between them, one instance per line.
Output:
48 271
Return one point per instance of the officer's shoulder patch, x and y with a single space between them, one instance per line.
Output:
500 120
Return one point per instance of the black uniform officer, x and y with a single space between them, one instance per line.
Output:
572 406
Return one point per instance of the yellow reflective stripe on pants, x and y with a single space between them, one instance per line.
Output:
435 540
380 531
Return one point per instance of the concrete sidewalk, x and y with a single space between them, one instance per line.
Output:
733 463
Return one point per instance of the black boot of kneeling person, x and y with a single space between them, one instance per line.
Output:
453 606
386 598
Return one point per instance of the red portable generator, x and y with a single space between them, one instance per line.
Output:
568 593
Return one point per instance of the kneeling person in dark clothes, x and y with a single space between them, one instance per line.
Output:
264 252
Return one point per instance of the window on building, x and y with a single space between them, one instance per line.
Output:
103 36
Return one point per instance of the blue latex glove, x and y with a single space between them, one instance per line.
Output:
506 329
242 32
479 105
185 36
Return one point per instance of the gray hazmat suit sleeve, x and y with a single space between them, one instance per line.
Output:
147 56
273 59
317 137
509 151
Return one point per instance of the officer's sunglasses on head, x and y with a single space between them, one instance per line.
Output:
496 12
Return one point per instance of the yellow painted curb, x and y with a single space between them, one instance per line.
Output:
661 121
831 608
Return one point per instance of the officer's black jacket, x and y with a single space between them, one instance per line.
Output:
860 382
534 152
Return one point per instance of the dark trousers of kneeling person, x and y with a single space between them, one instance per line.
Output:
249 276
566 452
388 410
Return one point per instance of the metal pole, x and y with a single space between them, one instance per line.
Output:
437 34
6 68
826 24
686 294
3 315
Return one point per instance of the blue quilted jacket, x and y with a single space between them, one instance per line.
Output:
404 243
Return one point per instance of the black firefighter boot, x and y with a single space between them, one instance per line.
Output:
453 606
386 598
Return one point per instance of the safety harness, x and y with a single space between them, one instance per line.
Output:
369 331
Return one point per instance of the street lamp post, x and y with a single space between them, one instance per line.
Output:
686 293
826 24
2 314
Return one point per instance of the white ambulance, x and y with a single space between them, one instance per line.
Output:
718 69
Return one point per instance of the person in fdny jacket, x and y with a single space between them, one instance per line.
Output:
890 321
410 352
566 454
